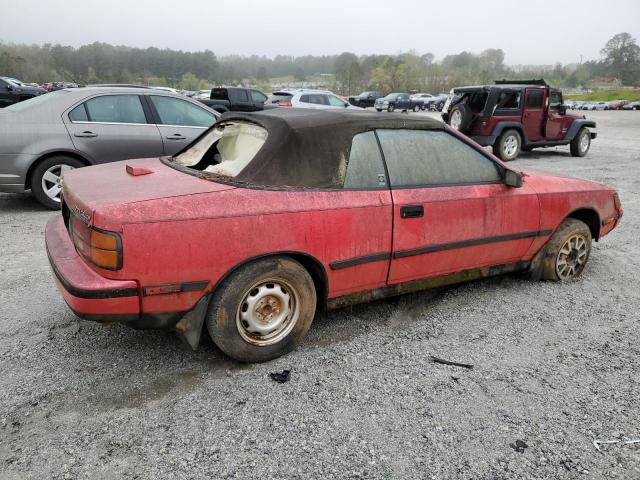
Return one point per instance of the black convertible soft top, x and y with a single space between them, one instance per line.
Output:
310 148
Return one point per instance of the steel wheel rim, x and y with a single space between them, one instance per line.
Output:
571 257
52 181
510 146
456 120
268 312
584 142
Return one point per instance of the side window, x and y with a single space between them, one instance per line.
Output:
314 99
508 100
240 95
365 168
335 101
534 99
258 97
175 111
555 99
79 114
116 109
304 99
434 157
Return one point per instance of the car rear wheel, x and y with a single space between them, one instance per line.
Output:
391 108
581 142
566 254
416 108
378 109
46 181
423 107
263 310
507 147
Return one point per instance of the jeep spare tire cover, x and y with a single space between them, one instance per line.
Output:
460 117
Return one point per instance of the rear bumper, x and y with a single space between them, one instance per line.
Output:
88 294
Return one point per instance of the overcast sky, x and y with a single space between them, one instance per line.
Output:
540 32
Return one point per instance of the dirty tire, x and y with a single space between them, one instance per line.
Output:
581 142
565 244
39 172
460 117
231 320
507 147
391 108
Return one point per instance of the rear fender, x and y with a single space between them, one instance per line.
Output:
502 126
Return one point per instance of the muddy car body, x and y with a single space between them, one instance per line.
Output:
515 116
273 215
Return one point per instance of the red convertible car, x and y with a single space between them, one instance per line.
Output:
269 217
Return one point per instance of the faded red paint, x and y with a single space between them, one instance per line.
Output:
179 228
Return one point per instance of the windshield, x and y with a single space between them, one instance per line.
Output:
35 101
393 95
225 150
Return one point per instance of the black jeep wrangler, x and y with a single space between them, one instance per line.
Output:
517 115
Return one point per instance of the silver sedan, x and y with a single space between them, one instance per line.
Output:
43 137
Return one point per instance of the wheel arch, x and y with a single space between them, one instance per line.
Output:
590 217
502 126
311 264
37 161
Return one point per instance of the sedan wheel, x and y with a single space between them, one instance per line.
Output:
565 254
47 179
52 181
262 310
268 312
572 257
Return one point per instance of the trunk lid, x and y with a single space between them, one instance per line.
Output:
87 190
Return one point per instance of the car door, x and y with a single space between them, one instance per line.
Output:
533 117
240 101
452 209
257 98
554 123
361 247
113 127
179 121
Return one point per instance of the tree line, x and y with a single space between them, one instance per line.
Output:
345 73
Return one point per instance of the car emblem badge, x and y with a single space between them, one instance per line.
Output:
81 214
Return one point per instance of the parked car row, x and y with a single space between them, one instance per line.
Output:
391 102
610 105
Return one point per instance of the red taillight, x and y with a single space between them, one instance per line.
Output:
102 248
285 103
616 201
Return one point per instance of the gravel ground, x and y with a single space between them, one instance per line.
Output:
556 367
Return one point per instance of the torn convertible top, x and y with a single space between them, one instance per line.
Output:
310 148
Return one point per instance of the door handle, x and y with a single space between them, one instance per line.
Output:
411 211
176 136
85 134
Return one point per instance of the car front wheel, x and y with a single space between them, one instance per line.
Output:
581 142
566 253
46 181
391 108
507 147
262 310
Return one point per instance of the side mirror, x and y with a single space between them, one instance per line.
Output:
9 87
346 105
513 179
562 109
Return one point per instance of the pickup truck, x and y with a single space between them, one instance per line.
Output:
235 99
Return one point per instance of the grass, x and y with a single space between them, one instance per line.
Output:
608 95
